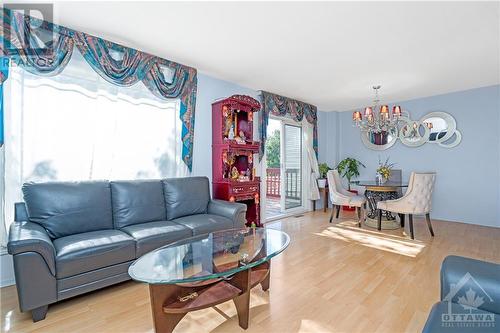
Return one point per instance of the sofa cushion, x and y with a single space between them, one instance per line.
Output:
205 223
186 196
88 251
152 235
137 202
67 208
439 320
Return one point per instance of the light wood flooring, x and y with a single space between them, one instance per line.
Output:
332 278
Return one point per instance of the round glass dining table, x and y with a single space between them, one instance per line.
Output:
376 191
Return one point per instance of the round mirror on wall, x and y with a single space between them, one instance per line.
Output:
379 141
435 127
442 129
413 133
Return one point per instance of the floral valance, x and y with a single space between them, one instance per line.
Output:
277 105
47 49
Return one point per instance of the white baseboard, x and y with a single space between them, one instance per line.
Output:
6 271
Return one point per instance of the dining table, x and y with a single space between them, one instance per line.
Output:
376 191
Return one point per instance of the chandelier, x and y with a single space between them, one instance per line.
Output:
380 128
378 122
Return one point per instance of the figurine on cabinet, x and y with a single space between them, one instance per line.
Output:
228 123
230 135
243 177
242 136
234 173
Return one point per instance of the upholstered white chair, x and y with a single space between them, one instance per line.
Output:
341 197
416 201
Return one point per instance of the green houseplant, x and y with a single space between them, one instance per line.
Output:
349 168
323 170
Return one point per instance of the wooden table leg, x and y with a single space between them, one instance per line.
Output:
267 280
159 294
241 280
165 298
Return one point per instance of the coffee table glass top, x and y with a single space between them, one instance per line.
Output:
209 256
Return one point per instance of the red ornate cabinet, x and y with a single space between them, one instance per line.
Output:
234 152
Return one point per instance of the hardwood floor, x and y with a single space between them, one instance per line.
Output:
332 278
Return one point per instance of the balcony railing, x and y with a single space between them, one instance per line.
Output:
273 182
292 183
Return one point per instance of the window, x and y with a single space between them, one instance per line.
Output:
78 126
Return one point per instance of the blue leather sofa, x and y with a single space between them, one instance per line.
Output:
470 298
70 238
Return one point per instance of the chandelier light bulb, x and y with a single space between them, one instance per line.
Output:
356 116
396 111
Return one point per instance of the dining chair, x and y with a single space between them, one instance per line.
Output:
416 201
397 177
341 197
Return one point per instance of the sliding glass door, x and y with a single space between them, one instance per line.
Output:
284 168
291 187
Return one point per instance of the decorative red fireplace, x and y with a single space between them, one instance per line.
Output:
234 152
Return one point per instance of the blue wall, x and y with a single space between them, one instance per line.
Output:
468 176
328 138
468 182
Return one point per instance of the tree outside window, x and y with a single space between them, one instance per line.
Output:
273 150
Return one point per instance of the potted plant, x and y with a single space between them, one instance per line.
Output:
349 168
323 170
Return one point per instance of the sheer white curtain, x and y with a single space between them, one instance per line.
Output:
77 126
311 183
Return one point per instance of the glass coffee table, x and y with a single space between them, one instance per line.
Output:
203 271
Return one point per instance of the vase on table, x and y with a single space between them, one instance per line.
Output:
381 179
384 171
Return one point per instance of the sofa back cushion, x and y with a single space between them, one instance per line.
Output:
137 201
67 208
186 196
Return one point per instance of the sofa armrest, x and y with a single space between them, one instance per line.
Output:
232 210
459 273
32 237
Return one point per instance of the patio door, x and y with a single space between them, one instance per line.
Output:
283 169
291 167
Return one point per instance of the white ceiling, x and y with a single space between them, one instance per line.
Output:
327 54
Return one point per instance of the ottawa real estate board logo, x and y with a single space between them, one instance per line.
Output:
470 297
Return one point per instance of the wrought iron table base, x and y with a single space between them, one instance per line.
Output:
388 219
